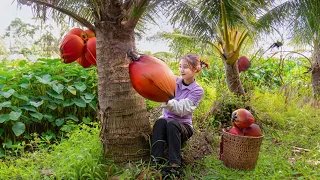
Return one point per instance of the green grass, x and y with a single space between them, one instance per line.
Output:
78 157
285 126
290 149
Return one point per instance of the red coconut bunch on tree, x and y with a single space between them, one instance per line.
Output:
79 45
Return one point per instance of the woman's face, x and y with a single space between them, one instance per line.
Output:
186 71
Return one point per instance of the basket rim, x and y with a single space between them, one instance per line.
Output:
249 137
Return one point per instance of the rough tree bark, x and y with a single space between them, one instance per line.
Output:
233 78
122 112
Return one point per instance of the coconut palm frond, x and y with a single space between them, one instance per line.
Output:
60 9
275 17
301 17
187 16
152 14
305 27
175 35
202 17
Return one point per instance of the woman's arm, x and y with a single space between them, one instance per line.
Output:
184 106
180 108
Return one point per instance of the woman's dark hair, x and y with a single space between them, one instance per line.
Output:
194 61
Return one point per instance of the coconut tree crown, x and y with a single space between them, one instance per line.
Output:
89 13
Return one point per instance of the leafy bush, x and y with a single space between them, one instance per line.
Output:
45 97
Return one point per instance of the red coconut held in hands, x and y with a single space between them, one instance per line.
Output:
252 130
242 118
71 48
243 63
90 51
152 78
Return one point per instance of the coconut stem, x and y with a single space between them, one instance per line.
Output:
132 55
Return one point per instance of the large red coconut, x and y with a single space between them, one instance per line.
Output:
243 63
71 48
79 32
84 62
90 51
152 78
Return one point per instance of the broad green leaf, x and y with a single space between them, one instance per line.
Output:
89 96
57 101
13 86
86 100
18 128
2 78
24 85
28 77
23 80
58 88
8 93
5 104
66 128
4 118
45 98
23 97
60 78
29 108
36 115
6 75
15 108
8 144
52 106
93 105
48 135
79 102
53 82
2 86
1 131
68 102
36 104
54 94
59 121
25 118
86 120
45 79
14 115
49 117
72 117
72 90
81 87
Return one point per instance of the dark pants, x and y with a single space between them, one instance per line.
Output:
174 134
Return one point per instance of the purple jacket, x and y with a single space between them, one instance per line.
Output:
193 92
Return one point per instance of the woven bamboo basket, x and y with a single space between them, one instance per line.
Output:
239 152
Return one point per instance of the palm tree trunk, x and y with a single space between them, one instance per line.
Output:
122 112
315 78
233 78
